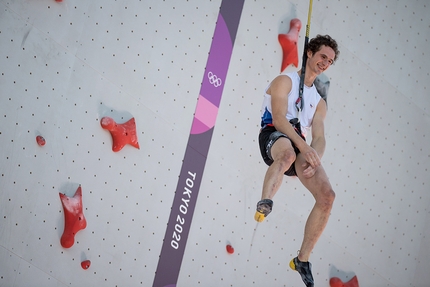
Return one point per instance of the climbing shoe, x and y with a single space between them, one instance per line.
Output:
264 207
304 269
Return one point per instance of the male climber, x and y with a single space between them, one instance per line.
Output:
283 145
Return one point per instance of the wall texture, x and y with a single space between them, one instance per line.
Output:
65 65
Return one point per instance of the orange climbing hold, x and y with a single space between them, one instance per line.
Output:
288 43
122 134
85 264
336 282
230 249
74 219
40 140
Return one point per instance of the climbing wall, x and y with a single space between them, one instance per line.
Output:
66 65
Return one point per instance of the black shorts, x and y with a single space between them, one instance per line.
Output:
267 137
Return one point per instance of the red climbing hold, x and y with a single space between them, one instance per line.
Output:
74 219
230 249
289 44
40 140
336 282
85 264
122 134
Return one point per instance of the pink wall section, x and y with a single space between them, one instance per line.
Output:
206 113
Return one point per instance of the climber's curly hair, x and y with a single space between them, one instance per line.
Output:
315 44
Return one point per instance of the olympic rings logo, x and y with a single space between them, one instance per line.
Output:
214 80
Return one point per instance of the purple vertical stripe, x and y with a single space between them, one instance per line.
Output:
190 177
219 58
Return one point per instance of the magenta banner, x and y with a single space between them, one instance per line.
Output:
190 177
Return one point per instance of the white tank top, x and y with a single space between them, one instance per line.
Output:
311 99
